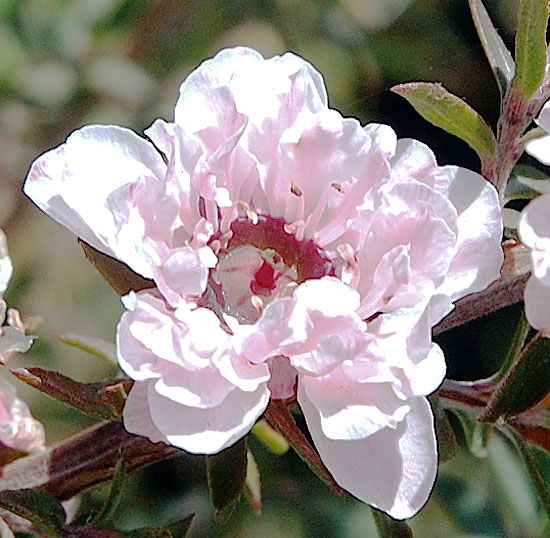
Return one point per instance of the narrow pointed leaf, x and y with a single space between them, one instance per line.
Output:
227 475
500 58
89 344
38 507
113 500
476 435
447 447
117 274
526 383
447 111
531 46
89 398
390 528
542 489
278 415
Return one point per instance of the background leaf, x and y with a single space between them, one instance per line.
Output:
390 528
227 475
499 56
38 507
531 46
447 111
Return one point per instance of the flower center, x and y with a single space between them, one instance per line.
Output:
260 262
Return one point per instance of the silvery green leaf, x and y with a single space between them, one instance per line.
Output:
500 58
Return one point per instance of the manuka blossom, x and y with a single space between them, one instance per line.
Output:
18 429
534 231
12 335
293 253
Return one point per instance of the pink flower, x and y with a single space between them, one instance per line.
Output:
12 335
293 252
18 429
534 231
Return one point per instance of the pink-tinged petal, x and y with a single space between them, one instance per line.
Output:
282 382
201 388
534 231
415 160
350 410
87 185
537 305
240 372
207 431
18 429
479 252
149 325
137 415
183 274
393 469
416 222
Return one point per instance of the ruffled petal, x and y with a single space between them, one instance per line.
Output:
87 184
350 410
393 469
207 431
137 415
479 254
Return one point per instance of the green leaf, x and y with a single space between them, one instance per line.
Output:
525 384
278 415
94 346
99 400
529 179
516 345
390 528
447 446
117 274
531 46
499 56
227 475
38 507
477 435
447 111
270 438
524 450
113 500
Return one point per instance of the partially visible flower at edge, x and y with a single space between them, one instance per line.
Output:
294 253
18 429
534 232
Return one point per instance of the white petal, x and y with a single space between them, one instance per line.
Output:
537 305
393 470
350 410
207 431
87 185
137 414
534 231
479 256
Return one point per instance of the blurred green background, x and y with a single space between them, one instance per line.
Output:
65 63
